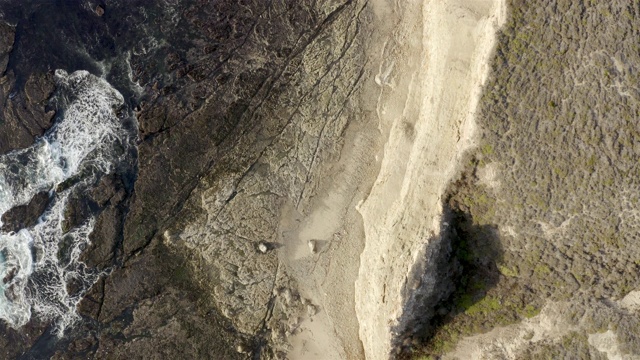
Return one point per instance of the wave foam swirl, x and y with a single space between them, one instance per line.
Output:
40 270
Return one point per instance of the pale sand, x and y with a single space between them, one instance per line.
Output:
434 65
327 277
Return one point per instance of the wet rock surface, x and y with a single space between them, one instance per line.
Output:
25 215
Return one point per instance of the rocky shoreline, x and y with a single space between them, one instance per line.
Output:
214 101
331 179
256 155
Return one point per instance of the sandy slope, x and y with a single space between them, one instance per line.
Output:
327 276
433 65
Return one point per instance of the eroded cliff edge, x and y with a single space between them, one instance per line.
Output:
434 65
554 178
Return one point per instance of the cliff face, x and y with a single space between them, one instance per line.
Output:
434 64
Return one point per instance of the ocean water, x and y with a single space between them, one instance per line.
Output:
40 264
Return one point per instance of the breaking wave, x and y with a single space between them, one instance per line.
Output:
40 270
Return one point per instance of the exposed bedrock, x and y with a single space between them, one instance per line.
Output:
243 111
237 141
23 116
279 181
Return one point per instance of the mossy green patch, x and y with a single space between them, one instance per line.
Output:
484 306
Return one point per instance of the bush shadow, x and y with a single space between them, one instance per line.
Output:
464 262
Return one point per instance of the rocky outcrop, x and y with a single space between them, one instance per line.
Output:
242 111
266 171
23 116
241 93
23 216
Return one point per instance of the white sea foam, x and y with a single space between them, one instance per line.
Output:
56 265
15 267
89 127
38 264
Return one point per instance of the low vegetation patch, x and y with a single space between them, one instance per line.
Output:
559 121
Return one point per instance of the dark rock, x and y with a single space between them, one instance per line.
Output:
128 285
108 197
91 303
74 286
104 238
107 188
24 115
168 326
10 276
14 343
38 88
24 216
77 212
7 36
